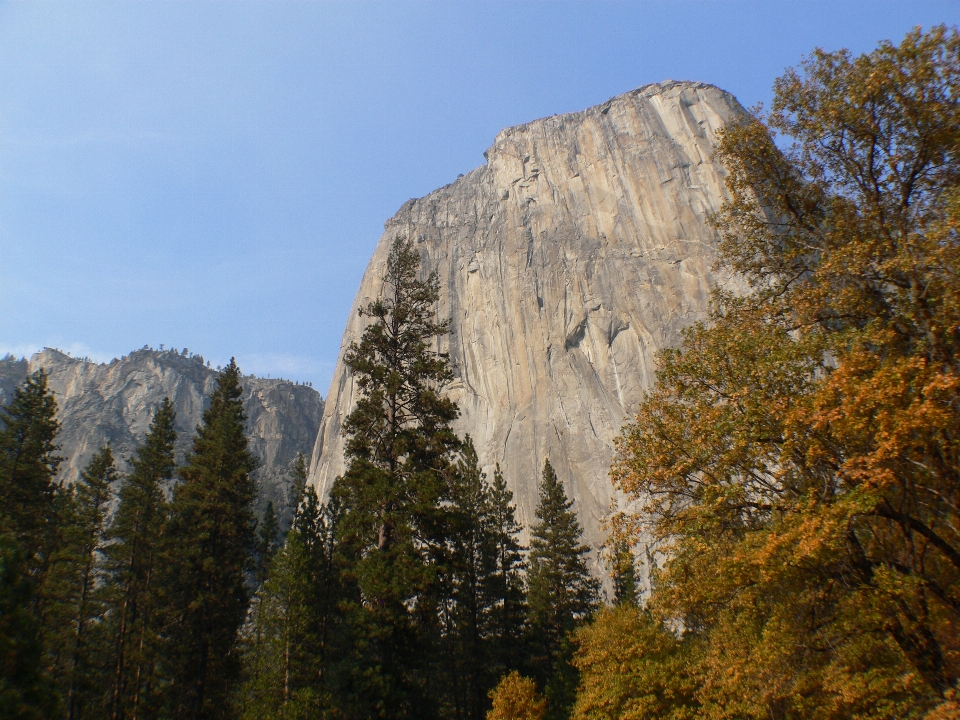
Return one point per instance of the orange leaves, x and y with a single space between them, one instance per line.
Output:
633 669
799 459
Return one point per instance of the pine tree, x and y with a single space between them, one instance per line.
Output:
298 482
212 535
562 594
25 691
470 560
504 587
28 464
268 535
399 448
28 535
481 593
624 573
297 627
133 619
72 609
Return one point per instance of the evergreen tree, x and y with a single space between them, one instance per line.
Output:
71 606
482 601
25 692
463 607
503 587
297 628
212 533
624 573
562 594
28 464
133 619
298 483
393 522
268 535
28 525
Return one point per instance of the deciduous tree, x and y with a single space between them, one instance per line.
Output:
516 698
798 458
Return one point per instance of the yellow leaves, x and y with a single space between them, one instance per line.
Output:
516 698
632 669
799 458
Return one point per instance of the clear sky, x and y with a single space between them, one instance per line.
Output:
215 175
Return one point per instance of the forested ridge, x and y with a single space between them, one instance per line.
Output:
794 475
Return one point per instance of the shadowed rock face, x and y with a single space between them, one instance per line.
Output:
566 262
115 402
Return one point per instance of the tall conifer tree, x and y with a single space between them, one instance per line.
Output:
73 608
562 594
504 587
470 560
134 619
482 599
25 691
212 536
28 464
399 447
297 628
268 536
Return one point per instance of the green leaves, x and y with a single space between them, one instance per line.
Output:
27 468
400 446
212 533
561 592
136 564
25 693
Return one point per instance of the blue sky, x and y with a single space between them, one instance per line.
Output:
215 175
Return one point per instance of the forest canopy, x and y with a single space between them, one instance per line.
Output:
796 464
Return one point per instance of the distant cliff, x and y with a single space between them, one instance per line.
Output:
114 402
570 258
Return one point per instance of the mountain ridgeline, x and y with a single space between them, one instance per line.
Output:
114 402
723 348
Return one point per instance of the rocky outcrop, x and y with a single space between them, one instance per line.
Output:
570 258
115 402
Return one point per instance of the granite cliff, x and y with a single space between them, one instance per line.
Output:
114 402
570 258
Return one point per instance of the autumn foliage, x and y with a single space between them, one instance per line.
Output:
516 698
798 462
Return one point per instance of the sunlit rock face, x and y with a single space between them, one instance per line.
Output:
114 402
566 262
